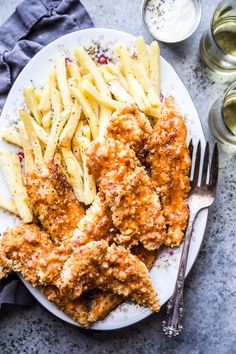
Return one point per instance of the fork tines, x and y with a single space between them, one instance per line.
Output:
204 172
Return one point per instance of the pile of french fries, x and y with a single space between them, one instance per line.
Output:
61 119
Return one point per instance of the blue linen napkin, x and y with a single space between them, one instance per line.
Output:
34 24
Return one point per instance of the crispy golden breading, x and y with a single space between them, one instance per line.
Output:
146 256
168 157
114 268
77 309
29 250
53 201
22 247
95 225
103 303
130 126
134 203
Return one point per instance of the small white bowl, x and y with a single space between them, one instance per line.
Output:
198 7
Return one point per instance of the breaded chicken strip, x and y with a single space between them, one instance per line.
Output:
168 157
77 309
103 303
21 249
95 225
30 251
134 203
130 126
53 201
114 268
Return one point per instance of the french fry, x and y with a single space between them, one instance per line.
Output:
141 51
72 82
12 135
59 160
135 88
89 182
105 116
10 165
141 75
85 60
61 76
69 158
117 90
88 77
8 205
114 69
75 141
86 132
87 109
57 106
71 125
153 112
89 90
76 151
73 70
154 66
96 108
32 103
137 92
41 133
83 70
47 120
28 153
38 94
32 134
75 172
56 129
45 101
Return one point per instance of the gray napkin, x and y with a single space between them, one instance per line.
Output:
34 24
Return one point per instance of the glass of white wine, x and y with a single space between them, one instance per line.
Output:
218 44
222 120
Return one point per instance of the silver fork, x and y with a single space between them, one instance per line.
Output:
201 196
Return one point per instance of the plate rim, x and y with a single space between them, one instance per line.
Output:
26 283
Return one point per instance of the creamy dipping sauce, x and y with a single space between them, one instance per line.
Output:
170 20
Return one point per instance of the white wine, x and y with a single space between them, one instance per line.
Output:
229 111
222 120
225 34
218 44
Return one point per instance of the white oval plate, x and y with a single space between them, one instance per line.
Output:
165 269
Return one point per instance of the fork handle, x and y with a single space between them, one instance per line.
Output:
175 306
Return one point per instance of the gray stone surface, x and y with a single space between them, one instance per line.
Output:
210 315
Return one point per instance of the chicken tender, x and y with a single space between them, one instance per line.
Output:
169 160
130 126
103 303
77 309
96 224
30 251
53 201
134 203
114 268
21 249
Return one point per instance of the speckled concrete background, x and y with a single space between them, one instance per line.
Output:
210 296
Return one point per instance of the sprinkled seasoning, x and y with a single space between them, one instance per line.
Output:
170 20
